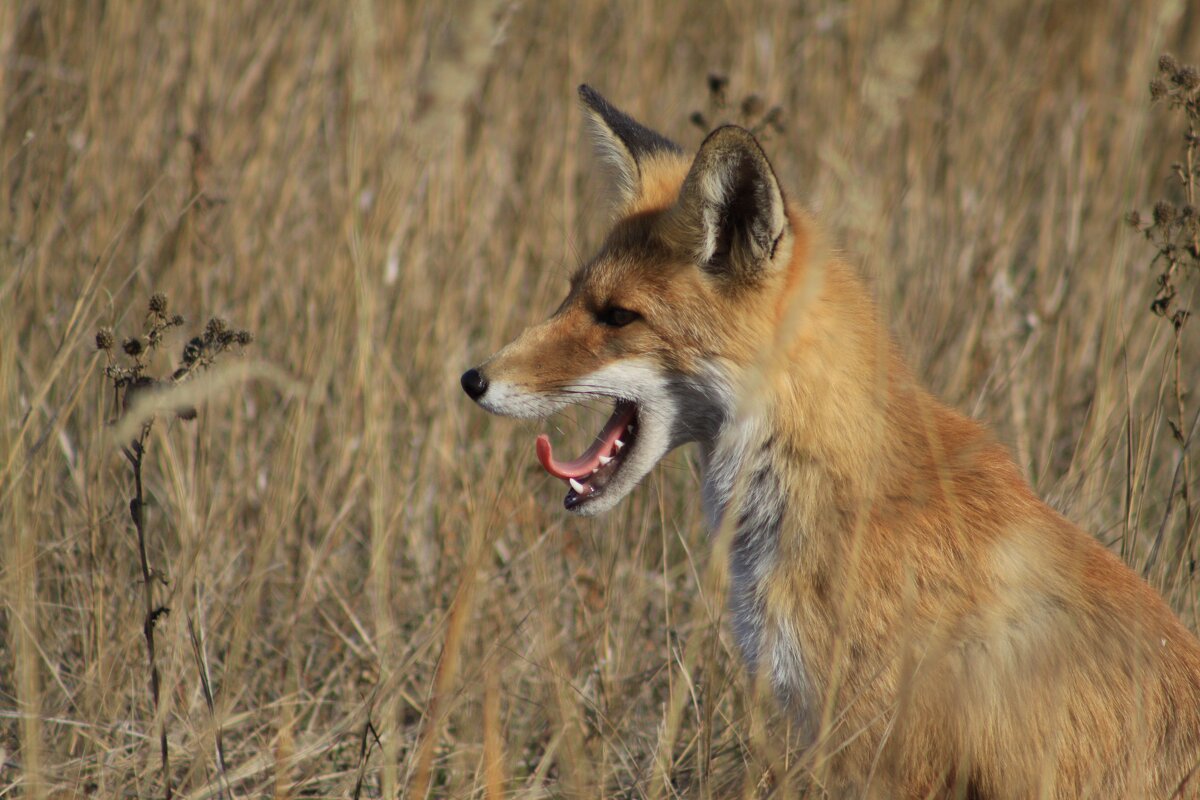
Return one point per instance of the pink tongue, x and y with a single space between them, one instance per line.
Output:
583 466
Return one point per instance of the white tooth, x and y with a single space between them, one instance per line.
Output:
576 485
618 444
605 460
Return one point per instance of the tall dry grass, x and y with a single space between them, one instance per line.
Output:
373 578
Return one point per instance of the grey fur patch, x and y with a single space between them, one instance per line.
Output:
752 556
741 478
702 410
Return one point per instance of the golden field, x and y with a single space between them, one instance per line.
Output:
362 585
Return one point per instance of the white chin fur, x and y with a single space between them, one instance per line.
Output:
637 380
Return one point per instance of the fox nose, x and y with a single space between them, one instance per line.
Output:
474 384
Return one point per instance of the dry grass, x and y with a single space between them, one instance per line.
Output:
372 575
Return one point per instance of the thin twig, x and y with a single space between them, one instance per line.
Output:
364 750
135 453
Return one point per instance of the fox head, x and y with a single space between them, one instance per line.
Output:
667 314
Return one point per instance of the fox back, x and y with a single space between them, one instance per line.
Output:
932 627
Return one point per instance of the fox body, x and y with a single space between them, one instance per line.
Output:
932 626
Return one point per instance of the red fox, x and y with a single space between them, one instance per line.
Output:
893 578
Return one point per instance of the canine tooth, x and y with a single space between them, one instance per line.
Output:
605 460
576 485
618 444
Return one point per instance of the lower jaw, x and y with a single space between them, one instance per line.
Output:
589 507
576 502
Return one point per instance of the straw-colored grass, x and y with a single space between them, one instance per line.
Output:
374 576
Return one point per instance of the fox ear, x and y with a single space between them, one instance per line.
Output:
731 213
621 143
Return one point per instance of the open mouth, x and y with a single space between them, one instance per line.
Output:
591 472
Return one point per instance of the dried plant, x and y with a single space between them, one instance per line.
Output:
1174 231
127 373
752 111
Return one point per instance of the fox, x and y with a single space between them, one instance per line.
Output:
929 626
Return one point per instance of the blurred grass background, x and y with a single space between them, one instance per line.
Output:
386 592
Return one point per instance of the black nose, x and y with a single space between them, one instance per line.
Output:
474 384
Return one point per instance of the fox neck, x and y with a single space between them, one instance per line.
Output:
786 475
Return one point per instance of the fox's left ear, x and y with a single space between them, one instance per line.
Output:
623 144
731 213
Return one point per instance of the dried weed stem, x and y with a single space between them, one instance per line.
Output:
1174 230
128 380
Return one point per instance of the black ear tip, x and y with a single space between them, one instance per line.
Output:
590 96
636 138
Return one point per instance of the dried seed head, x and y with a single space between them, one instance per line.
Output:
104 339
158 303
1167 63
1188 77
1158 89
1164 212
752 106
213 330
133 346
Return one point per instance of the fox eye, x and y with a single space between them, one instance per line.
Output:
616 317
